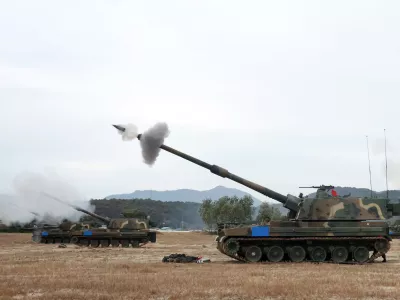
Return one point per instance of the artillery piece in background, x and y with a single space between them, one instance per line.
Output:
321 229
55 234
119 231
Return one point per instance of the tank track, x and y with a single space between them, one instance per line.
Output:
221 246
95 243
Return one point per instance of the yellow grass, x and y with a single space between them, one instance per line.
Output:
36 271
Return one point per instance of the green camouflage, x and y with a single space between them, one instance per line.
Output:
340 229
120 231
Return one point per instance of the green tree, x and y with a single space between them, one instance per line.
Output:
206 212
225 210
268 213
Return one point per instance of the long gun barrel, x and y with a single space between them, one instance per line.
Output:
290 202
32 212
104 219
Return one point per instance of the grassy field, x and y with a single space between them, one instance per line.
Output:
36 271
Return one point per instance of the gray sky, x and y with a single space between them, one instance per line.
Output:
280 92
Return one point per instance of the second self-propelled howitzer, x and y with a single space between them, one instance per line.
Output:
118 231
324 228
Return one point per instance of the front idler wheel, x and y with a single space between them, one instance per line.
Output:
253 254
232 246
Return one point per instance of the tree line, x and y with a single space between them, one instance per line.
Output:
236 210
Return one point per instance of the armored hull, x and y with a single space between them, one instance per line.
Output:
53 236
297 241
96 237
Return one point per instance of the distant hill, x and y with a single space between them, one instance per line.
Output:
185 195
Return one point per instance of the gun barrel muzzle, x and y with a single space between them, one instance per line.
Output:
120 128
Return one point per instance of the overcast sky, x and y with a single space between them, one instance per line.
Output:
280 92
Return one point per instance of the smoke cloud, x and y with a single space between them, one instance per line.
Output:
28 201
130 133
150 140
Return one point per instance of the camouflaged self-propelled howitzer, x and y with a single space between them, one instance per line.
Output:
56 234
321 229
327 228
119 231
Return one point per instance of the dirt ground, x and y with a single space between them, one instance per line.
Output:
38 271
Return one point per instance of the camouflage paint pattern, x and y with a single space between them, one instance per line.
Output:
336 208
128 224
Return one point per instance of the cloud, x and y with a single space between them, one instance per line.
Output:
277 92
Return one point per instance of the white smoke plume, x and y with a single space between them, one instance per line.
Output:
150 140
28 201
130 133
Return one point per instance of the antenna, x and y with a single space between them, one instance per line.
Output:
369 166
387 188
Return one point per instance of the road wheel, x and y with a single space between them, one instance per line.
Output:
318 254
275 254
297 254
94 243
105 243
253 254
135 244
340 254
115 243
361 254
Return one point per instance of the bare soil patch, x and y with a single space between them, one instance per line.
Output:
36 271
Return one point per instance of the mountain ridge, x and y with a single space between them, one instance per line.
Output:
185 195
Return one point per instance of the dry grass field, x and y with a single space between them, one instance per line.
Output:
36 271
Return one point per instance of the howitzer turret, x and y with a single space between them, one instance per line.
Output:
119 223
341 229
